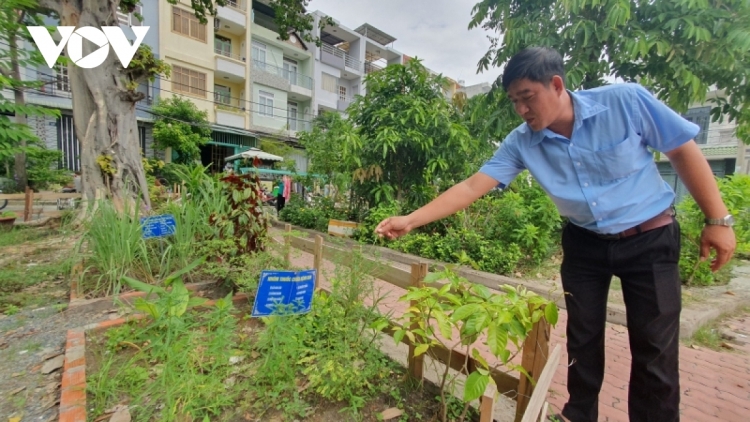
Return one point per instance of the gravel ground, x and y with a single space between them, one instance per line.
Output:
31 341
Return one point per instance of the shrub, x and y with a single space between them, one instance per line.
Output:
735 191
366 230
315 216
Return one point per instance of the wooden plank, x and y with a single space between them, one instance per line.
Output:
543 414
539 397
288 244
12 196
28 204
416 363
535 352
41 196
318 253
304 245
387 273
487 404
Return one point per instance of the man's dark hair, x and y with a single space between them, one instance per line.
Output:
537 64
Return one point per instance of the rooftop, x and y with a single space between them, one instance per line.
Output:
375 34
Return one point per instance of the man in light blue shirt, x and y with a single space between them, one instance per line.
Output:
589 150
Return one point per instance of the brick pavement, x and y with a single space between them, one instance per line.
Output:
715 385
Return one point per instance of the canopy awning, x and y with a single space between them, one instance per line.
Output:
253 153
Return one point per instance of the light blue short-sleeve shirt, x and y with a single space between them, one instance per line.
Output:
604 177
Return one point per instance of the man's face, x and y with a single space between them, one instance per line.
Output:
537 104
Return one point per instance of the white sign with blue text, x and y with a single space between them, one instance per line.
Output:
284 293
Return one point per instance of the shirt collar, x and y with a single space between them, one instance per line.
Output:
583 108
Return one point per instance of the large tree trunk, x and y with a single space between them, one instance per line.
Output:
19 98
104 111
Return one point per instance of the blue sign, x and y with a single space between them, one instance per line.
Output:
284 293
158 226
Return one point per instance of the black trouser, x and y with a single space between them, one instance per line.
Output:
280 202
647 265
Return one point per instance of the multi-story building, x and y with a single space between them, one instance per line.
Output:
725 153
251 84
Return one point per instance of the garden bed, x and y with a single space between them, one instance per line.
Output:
112 382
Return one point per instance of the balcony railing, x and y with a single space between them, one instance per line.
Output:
370 67
299 125
55 85
240 5
349 61
225 102
229 54
294 78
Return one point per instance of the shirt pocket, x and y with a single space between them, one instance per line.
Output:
619 160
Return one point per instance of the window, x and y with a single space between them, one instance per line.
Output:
188 81
291 113
259 52
62 80
266 103
129 19
185 23
290 71
701 116
342 93
222 94
329 83
223 45
142 139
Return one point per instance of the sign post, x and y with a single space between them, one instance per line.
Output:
158 226
284 293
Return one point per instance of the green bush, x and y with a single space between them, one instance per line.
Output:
366 230
735 190
313 217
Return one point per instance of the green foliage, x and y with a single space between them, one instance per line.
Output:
735 191
179 361
42 171
332 349
472 311
330 146
181 126
498 233
144 66
315 216
243 219
679 48
366 231
409 137
114 247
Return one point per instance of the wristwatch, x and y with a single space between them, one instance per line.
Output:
726 221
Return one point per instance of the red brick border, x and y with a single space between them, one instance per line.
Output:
73 388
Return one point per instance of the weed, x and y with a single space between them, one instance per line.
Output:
19 235
11 310
22 283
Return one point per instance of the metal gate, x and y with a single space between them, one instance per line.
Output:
68 144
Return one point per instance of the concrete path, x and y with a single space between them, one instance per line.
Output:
715 385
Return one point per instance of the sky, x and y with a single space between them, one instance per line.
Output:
435 31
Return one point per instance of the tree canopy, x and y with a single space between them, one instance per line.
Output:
181 126
680 49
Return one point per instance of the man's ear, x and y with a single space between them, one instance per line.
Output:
558 84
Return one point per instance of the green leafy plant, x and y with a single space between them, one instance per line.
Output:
472 311
8 214
243 220
735 191
171 303
180 125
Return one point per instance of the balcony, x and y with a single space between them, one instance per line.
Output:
229 111
371 67
232 17
343 103
230 66
339 58
299 125
295 81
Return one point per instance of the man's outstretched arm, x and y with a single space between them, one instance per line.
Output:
696 174
449 202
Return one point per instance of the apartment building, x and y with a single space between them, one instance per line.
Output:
251 84
725 153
